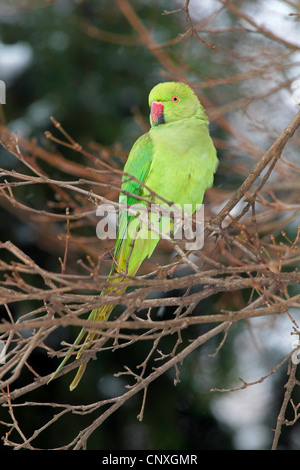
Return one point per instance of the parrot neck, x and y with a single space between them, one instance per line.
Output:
179 133
200 114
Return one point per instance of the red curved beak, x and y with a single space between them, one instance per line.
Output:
157 112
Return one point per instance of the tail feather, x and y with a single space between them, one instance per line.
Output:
127 264
68 354
98 314
78 376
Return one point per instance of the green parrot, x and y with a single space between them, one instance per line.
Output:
175 161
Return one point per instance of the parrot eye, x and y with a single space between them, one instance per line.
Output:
175 99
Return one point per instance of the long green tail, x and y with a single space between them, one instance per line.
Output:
98 314
128 260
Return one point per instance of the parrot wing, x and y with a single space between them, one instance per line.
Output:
136 171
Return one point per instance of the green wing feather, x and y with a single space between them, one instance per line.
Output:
136 171
137 165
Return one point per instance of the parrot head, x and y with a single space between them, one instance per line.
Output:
173 101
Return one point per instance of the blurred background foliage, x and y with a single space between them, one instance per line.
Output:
83 63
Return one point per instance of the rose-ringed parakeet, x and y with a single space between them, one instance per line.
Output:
175 160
